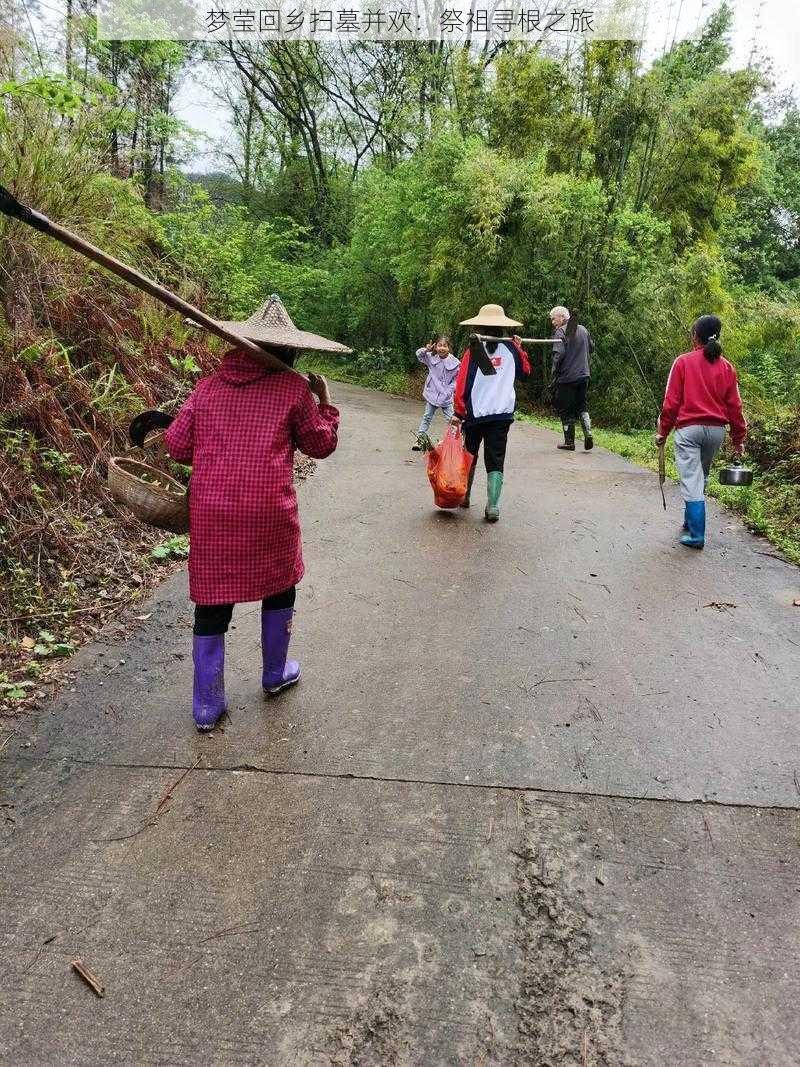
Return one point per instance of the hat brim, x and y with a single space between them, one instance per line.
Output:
502 320
300 339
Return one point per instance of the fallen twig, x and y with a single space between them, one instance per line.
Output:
68 611
242 928
89 978
154 817
174 786
593 709
580 763
601 584
182 967
543 681
708 831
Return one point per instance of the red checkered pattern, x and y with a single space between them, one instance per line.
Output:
239 430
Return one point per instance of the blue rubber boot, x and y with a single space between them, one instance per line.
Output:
696 518
208 701
685 519
276 633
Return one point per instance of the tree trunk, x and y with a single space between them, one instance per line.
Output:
68 40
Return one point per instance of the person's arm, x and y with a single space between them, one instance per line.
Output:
424 354
179 437
522 365
733 404
315 428
459 397
673 398
559 349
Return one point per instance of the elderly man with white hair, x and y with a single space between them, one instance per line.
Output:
573 345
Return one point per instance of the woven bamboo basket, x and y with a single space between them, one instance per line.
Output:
152 495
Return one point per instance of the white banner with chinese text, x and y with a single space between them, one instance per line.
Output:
464 21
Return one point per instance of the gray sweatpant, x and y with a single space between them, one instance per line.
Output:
695 448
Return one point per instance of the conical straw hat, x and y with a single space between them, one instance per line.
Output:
490 315
271 325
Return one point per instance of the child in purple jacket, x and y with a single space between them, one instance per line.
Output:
440 384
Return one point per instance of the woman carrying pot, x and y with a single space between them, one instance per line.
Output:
239 430
702 398
485 403
570 377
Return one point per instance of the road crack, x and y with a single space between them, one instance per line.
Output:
253 768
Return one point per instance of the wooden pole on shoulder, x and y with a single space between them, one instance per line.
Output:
9 205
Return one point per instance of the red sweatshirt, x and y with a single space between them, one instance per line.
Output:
700 393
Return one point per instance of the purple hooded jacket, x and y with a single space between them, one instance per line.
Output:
441 382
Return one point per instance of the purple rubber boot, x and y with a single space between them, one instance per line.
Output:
276 633
208 702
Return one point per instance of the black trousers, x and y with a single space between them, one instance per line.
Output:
571 399
495 438
212 619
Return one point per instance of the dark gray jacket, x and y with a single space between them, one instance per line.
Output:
571 361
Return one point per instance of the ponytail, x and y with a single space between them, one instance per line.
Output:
712 349
706 332
571 327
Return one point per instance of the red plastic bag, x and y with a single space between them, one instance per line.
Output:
448 469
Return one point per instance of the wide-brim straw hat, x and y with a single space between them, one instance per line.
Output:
490 315
271 325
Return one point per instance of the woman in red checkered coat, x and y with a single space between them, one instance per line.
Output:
239 430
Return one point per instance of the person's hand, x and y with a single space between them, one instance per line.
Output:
429 346
455 421
738 450
659 439
517 339
319 387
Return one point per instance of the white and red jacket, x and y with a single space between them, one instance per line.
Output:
483 397
700 393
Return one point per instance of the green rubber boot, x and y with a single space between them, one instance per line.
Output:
494 487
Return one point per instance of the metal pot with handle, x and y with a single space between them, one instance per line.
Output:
736 474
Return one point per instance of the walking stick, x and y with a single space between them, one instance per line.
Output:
662 472
9 205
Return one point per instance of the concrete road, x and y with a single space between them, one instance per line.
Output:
534 801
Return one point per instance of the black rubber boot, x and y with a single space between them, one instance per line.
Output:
569 437
586 426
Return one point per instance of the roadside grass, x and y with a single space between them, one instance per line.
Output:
396 382
768 508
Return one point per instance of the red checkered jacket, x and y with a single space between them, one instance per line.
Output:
239 430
